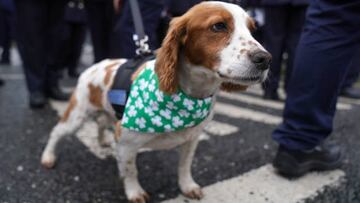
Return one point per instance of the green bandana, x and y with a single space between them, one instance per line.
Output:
150 110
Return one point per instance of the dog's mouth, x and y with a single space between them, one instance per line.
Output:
250 78
246 79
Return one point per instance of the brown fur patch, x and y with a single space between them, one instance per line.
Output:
251 24
167 57
95 95
108 72
201 44
230 87
136 73
243 51
117 131
69 109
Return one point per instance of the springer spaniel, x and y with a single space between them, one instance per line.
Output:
207 49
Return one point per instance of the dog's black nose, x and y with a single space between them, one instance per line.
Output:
261 59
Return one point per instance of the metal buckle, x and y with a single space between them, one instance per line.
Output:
142 44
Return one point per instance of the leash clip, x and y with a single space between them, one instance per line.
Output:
142 44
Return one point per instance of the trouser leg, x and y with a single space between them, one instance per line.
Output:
100 16
274 41
295 26
322 60
31 23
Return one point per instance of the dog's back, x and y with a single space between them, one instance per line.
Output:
95 82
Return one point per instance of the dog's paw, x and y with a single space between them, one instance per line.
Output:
194 193
48 160
140 198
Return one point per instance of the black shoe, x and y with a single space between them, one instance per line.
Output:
351 92
271 95
296 163
2 82
37 100
57 94
73 73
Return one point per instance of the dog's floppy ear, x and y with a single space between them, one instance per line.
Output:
168 56
230 87
251 24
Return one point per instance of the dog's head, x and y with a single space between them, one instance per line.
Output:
216 36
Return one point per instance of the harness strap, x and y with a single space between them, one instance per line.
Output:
118 94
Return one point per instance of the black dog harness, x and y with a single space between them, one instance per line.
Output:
121 86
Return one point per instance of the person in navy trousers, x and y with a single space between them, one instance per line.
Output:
7 12
7 16
284 20
101 18
38 28
73 36
328 44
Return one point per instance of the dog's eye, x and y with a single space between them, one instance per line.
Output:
219 27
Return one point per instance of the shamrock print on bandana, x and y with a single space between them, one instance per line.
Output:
157 121
148 109
140 122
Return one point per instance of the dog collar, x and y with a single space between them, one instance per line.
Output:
148 109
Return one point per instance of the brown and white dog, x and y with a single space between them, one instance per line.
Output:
207 49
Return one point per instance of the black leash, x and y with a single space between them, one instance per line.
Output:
139 37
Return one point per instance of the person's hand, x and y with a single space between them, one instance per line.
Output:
117 5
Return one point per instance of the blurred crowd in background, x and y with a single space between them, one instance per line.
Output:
50 36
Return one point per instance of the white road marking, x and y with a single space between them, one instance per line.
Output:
12 76
15 57
253 100
262 185
256 90
58 106
220 129
343 106
239 112
350 101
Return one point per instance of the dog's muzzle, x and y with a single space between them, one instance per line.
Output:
261 59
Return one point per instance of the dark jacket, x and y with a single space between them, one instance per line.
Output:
284 2
7 5
177 7
251 3
75 12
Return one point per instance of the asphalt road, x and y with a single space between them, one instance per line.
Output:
237 148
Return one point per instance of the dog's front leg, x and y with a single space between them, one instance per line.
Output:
186 182
126 151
